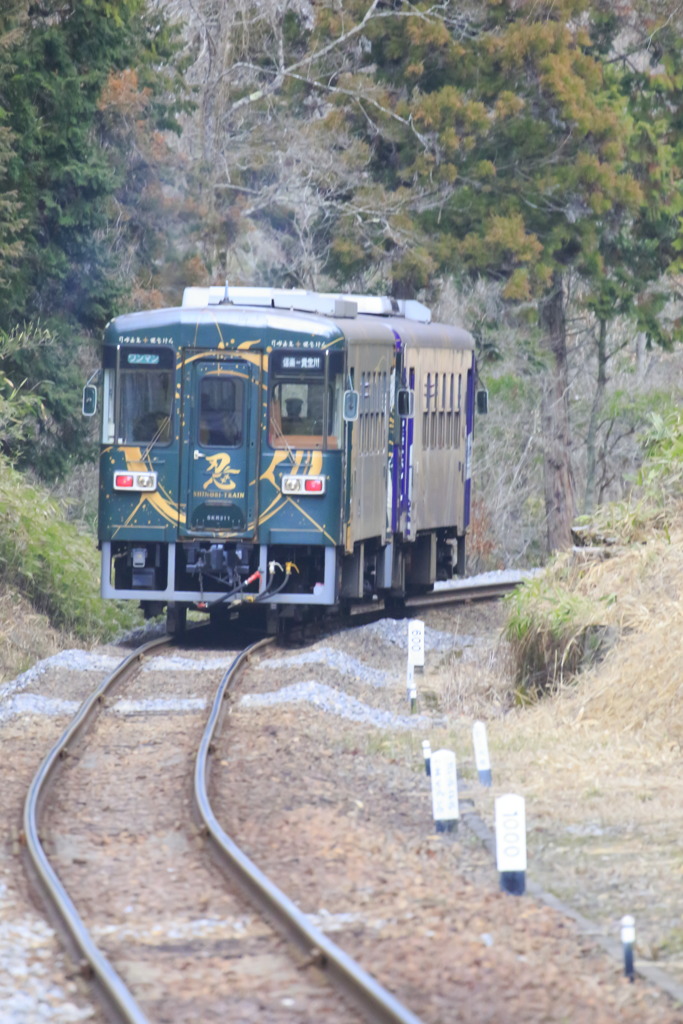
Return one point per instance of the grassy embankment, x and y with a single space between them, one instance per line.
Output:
49 579
619 587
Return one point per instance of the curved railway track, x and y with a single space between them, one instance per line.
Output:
371 999
422 912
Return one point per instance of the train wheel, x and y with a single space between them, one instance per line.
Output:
176 619
395 605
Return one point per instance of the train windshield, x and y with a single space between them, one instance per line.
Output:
145 397
221 403
305 401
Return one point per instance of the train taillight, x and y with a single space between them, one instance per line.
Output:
135 481
303 484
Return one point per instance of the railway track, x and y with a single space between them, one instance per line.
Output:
336 814
57 790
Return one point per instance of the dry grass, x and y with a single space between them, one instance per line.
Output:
598 757
638 687
598 760
25 636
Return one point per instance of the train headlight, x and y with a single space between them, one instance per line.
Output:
135 481
139 556
303 485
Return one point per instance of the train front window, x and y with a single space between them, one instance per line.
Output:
145 397
304 403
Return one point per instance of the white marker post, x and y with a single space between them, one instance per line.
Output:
445 807
416 643
628 940
410 679
481 753
511 843
427 754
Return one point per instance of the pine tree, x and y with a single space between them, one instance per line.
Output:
521 136
76 184
11 223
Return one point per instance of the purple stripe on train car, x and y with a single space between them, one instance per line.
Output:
468 444
396 459
407 435
395 481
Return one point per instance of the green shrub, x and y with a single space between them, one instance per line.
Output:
662 471
53 564
553 632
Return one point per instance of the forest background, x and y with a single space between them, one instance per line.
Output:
515 164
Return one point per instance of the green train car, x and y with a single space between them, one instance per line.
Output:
283 448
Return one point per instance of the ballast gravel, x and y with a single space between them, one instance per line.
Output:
331 701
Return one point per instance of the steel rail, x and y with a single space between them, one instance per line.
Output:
111 988
457 592
461 594
369 996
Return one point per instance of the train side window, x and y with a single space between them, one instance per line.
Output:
108 406
433 443
443 410
450 416
426 411
383 406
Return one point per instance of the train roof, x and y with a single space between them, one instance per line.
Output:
332 304
357 316
335 316
154 319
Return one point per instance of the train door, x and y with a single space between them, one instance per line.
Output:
370 370
218 473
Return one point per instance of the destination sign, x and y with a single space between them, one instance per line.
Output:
294 361
143 358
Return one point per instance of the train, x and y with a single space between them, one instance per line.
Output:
284 450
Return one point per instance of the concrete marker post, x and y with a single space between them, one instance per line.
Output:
416 643
410 679
445 806
481 753
511 843
427 754
628 940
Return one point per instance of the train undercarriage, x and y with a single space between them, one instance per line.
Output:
224 579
